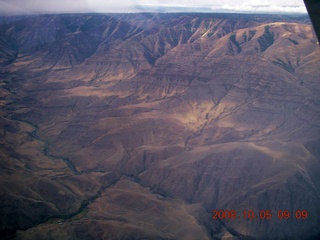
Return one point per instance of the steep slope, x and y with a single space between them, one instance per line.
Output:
138 126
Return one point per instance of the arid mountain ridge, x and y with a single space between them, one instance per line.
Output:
137 126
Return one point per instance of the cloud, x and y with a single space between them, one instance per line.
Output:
260 8
66 6
38 6
7 8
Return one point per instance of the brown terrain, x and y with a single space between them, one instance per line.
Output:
138 126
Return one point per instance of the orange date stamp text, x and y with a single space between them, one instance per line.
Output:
262 214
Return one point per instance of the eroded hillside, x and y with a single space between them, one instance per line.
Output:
138 126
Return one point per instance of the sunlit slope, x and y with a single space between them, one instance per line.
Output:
138 126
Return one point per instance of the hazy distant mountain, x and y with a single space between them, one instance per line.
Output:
228 8
138 126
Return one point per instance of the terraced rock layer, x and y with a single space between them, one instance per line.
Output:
137 126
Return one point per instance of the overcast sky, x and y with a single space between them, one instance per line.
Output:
63 6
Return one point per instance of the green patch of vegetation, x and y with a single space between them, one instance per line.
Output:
234 41
285 65
293 41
